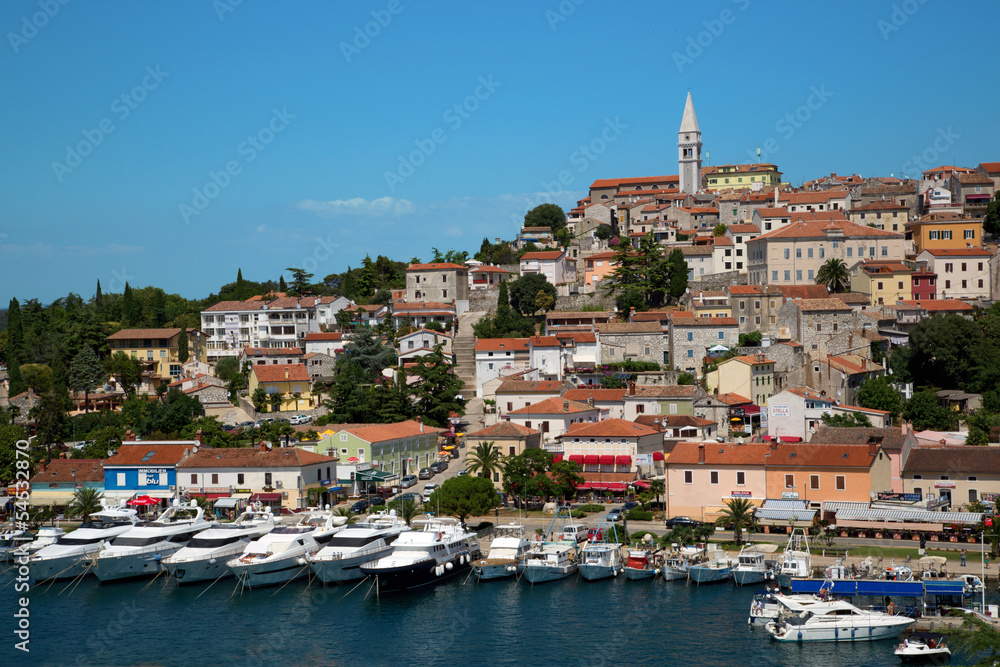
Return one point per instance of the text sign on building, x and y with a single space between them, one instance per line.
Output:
151 476
989 497
789 495
780 411
741 494
944 485
903 497
644 459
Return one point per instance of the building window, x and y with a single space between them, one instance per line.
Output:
215 478
788 275
722 335
194 479
814 481
343 438
120 479
713 477
970 233
741 478
787 253
973 495
267 479
789 481
239 478
841 482
689 477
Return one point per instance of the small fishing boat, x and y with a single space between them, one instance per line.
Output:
676 564
915 651
751 567
549 561
601 558
716 567
796 561
643 563
509 544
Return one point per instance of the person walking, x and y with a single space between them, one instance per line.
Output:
963 557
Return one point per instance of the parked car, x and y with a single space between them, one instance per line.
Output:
682 521
614 515
300 419
376 501
228 428
462 473
425 473
595 535
403 497
428 490
629 505
360 507
407 481
283 420
243 425
262 421
439 466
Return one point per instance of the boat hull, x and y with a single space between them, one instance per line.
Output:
538 574
270 573
594 572
132 566
345 569
836 633
486 570
60 567
415 575
744 577
637 574
708 575
194 571
673 573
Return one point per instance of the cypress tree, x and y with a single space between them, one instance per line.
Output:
98 297
15 332
17 383
282 287
182 346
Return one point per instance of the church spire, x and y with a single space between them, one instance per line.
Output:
689 150
689 123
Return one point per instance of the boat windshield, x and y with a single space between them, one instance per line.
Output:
212 543
338 541
69 540
137 541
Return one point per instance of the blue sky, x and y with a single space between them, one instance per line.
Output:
169 144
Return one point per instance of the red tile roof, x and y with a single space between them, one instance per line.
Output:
748 228
164 454
599 395
323 336
272 351
802 291
812 305
991 167
383 432
747 290
959 252
553 406
530 387
817 230
609 428
281 373
680 321
438 266
751 359
639 180
542 255
940 305
664 391
545 341
70 470
733 399
131 334
502 344
252 457
503 429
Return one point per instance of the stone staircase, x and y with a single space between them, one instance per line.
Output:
465 360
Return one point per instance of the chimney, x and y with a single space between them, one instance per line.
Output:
864 364
197 436
286 373
631 388
41 467
701 452
421 422
590 401
263 447
129 436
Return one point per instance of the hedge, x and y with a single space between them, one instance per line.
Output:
639 515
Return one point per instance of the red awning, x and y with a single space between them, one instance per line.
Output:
266 497
583 487
591 459
751 409
557 458
576 458
616 486
657 456
607 459
623 460
641 483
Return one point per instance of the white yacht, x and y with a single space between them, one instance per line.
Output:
12 540
833 621
750 566
548 561
138 552
204 557
71 555
766 607
441 549
279 556
341 558
44 537
601 558
716 567
509 544
796 561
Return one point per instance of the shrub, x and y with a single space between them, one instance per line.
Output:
639 515
591 508
577 514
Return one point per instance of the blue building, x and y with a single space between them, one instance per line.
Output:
146 468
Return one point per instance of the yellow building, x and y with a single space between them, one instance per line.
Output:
750 375
884 282
284 380
741 176
946 231
157 350
710 303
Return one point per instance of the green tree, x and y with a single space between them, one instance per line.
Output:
227 368
977 437
38 377
924 412
945 351
343 319
435 394
752 339
300 281
366 349
9 436
275 401
991 221
566 477
258 398
15 381
86 501
49 416
101 441
657 487
282 287
847 420
879 394
464 497
524 292
546 215
125 370
737 512
350 397
603 232
15 334
520 470
485 460
978 639
685 378
677 268
392 400
131 308
720 229
834 274
182 346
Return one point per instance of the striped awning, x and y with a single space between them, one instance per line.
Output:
903 515
784 515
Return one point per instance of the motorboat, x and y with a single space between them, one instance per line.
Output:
716 567
973 584
341 558
751 567
509 544
15 539
46 536
204 557
279 556
548 561
643 563
914 650
837 572
835 620
440 549
601 558
70 556
898 573
140 550
796 561
766 606
676 564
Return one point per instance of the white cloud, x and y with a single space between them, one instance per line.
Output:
261 228
359 206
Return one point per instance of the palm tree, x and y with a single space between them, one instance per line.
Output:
406 509
486 459
345 511
834 274
297 395
739 513
86 501
657 487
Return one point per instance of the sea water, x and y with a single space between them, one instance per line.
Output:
568 622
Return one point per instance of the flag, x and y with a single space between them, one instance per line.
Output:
988 523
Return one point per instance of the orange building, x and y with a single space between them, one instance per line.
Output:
946 231
817 472
598 267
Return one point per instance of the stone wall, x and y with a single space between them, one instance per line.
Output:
717 281
484 300
576 302
657 378
254 415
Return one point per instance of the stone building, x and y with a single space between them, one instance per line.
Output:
632 341
690 338
813 321
441 282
